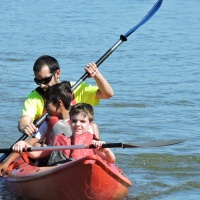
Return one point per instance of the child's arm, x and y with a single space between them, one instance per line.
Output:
96 130
105 153
19 146
15 155
4 166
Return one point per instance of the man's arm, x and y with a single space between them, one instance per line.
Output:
23 122
26 126
105 90
32 109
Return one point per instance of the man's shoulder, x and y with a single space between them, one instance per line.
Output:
84 87
34 95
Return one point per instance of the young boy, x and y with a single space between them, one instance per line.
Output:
81 119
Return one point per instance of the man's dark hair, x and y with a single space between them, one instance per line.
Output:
51 62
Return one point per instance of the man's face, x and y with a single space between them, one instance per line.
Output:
45 79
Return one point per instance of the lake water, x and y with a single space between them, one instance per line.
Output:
155 76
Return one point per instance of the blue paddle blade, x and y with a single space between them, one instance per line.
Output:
146 18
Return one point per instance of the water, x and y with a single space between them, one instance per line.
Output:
155 76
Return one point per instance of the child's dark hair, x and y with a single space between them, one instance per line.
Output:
83 108
60 91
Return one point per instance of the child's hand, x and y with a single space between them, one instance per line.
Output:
3 168
98 144
18 147
104 153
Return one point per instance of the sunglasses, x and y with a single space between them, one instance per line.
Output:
44 80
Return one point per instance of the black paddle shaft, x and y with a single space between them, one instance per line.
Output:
98 63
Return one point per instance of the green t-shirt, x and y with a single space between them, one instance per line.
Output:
34 103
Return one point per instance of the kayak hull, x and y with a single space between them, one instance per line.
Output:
86 178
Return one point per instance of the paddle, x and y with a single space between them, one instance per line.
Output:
122 39
108 145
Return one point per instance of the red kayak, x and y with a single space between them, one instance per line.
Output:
83 179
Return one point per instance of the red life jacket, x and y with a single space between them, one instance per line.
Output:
56 126
85 138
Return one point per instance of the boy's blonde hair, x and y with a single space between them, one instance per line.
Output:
83 108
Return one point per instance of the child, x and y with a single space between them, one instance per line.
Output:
81 119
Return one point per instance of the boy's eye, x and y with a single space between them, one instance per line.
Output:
47 103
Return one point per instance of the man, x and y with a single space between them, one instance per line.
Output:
47 73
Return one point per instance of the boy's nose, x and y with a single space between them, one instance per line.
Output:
77 123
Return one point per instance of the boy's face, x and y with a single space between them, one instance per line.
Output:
52 109
79 124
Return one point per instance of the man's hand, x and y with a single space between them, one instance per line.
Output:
29 129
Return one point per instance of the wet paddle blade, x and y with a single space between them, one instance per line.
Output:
153 143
